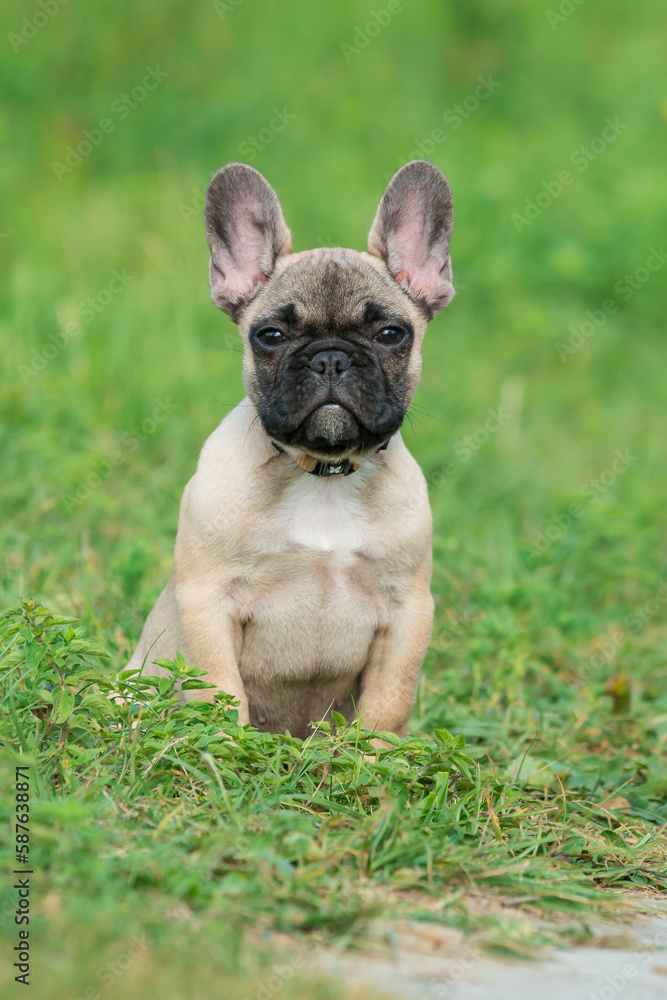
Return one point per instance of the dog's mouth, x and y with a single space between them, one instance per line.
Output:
332 430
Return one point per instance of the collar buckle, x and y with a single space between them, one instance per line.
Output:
325 469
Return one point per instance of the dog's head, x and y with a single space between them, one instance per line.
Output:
331 337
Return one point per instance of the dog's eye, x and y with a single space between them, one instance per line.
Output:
390 336
271 338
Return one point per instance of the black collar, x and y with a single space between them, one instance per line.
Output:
340 468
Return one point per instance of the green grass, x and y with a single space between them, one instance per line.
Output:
548 654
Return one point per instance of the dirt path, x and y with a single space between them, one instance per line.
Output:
425 961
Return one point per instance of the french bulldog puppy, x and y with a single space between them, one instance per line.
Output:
302 566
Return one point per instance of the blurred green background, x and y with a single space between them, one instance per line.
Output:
549 547
361 101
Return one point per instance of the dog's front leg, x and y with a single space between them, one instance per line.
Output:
389 679
212 637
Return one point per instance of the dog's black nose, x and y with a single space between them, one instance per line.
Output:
330 362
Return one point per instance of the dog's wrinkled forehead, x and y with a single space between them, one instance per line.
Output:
331 288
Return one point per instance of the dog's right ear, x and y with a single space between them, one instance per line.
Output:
246 234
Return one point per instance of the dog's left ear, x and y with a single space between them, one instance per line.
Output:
411 234
246 234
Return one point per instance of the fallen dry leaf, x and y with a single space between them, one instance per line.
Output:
616 802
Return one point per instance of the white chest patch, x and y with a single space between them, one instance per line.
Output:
326 513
